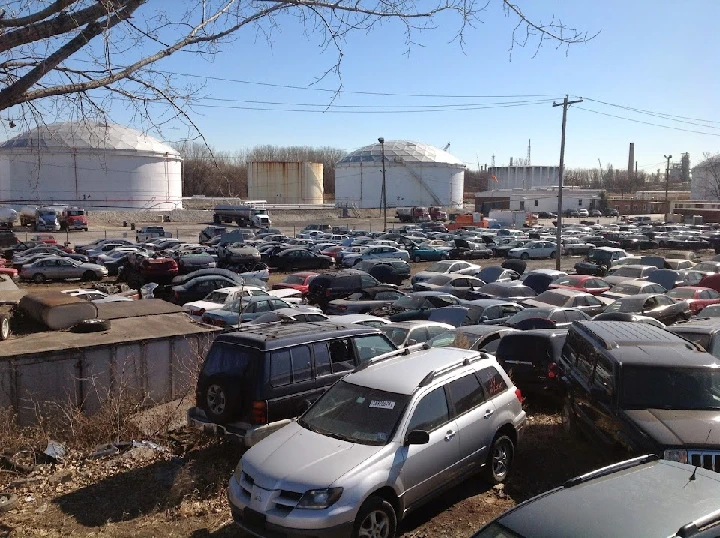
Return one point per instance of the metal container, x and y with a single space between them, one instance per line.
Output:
286 182
57 310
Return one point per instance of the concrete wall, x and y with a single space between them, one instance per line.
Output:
154 371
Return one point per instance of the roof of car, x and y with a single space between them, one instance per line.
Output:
349 319
428 293
412 323
277 336
647 499
705 326
566 292
402 374
482 330
488 302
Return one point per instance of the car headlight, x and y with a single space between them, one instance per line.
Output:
238 470
676 454
318 499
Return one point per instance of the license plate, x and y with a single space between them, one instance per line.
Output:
253 518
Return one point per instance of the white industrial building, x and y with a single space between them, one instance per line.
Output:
90 164
415 174
286 182
705 180
523 177
536 200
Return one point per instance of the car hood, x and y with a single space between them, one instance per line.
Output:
613 280
678 427
205 305
421 276
297 459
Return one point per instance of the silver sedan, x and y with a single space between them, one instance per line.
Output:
56 268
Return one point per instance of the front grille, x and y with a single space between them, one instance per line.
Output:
707 459
282 500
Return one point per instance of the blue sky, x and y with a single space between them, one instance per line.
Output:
657 55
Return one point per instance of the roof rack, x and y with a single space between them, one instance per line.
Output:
610 469
699 525
383 357
450 367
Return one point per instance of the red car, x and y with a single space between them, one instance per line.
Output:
158 267
332 251
48 239
697 297
296 281
587 283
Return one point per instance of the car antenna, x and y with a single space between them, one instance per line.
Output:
692 476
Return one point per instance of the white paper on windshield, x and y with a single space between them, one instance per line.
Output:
382 404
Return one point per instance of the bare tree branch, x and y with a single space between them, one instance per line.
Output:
53 8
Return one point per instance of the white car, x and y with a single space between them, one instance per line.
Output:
583 213
534 249
223 296
373 252
97 296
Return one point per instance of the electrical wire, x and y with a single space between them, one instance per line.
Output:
645 122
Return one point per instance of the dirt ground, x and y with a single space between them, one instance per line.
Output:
179 491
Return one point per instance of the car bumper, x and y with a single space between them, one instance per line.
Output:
248 436
309 523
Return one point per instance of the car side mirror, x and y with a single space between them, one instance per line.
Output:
410 342
483 319
417 437
599 395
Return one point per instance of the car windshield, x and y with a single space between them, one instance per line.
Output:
443 340
599 255
218 297
630 289
356 414
529 313
632 272
396 335
410 302
680 293
712 311
566 281
652 387
550 297
706 266
440 280
628 307
437 267
293 279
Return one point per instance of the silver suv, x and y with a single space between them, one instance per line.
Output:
381 442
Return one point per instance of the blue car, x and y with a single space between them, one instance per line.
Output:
237 312
427 253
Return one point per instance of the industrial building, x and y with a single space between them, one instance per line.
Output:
286 182
705 181
522 177
536 200
415 174
91 164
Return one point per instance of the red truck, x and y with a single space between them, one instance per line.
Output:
437 214
412 214
73 218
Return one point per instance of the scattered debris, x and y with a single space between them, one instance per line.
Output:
55 451
7 501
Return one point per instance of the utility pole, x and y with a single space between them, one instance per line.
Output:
384 187
667 180
558 236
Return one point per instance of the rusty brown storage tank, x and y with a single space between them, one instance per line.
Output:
286 182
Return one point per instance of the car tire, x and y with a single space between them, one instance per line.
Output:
89 276
524 256
217 401
38 278
92 326
552 255
443 256
376 519
4 327
416 258
500 459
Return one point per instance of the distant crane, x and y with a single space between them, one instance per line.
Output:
601 173
446 146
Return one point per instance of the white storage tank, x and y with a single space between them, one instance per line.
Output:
415 174
90 164
286 182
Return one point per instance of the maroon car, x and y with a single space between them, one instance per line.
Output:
296 281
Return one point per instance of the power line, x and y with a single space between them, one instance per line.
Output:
647 122
662 115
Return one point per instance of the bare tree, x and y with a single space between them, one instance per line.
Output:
74 57
706 178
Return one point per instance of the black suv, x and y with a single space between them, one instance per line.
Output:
676 500
531 359
8 239
252 382
642 388
387 271
338 285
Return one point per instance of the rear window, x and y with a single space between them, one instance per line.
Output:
513 347
680 293
229 359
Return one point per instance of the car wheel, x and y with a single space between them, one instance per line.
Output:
89 276
443 256
217 403
552 255
416 258
376 519
4 327
500 459
524 256
39 278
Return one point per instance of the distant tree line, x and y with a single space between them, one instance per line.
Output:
221 173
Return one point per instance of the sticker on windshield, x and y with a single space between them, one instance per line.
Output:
382 437
360 400
382 404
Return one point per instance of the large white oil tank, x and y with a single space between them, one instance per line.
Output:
705 180
415 174
286 182
90 164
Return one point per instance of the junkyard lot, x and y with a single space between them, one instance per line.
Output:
181 493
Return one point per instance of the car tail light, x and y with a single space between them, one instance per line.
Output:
519 395
340 307
258 414
327 292
177 295
552 371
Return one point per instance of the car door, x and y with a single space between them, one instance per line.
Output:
474 418
671 309
594 305
560 318
430 466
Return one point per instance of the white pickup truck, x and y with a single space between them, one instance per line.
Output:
150 232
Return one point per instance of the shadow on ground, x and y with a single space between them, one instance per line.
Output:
200 474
